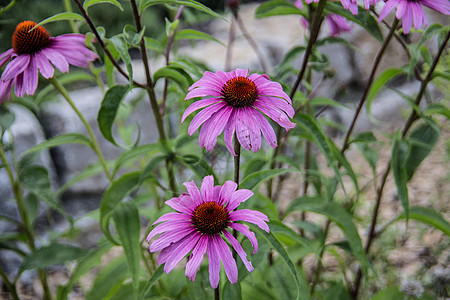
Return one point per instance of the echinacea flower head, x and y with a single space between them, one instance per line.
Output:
235 102
411 11
34 51
201 225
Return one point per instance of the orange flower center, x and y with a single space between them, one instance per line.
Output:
25 41
210 218
239 92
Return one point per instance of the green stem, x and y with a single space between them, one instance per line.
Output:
17 190
7 7
217 293
60 88
11 288
412 118
68 8
362 101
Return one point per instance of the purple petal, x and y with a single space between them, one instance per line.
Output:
45 67
5 90
5 56
214 262
275 114
196 257
203 116
168 226
239 250
242 130
245 231
387 8
229 263
19 86
276 103
240 73
183 204
57 59
197 105
16 66
213 127
30 77
442 6
251 216
172 216
203 92
193 192
228 133
181 251
266 128
207 189
168 238
237 198
228 188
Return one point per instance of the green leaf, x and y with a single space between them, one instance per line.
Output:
89 3
378 84
363 18
85 263
108 110
51 255
428 216
174 74
6 119
310 125
121 46
109 279
191 34
323 101
302 285
198 165
132 36
112 198
422 140
437 108
68 138
126 219
278 228
89 171
364 137
254 165
67 16
398 156
341 217
189 3
153 44
132 154
254 179
277 8
152 164
391 293
35 178
155 277
231 291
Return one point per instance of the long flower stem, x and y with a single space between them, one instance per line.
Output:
9 286
152 96
231 37
60 88
102 44
237 159
314 33
375 65
17 190
412 118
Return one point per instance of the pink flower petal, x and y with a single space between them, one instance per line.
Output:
229 263
203 116
251 216
197 105
194 192
245 231
239 250
16 66
228 133
237 198
57 59
228 188
45 67
181 252
213 127
196 257
207 189
214 262
173 216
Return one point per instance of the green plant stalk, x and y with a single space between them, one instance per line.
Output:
314 33
9 287
60 88
375 66
17 190
7 7
68 9
411 119
152 96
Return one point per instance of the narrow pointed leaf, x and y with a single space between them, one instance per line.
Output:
428 216
89 3
189 3
155 277
63 139
254 179
51 255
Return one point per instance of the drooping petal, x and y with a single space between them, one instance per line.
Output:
213 127
169 226
168 238
203 116
239 250
173 216
242 130
5 90
196 257
44 66
229 263
57 59
245 231
266 128
30 77
228 133
16 66
5 56
387 8
197 105
251 216
181 204
214 262
181 251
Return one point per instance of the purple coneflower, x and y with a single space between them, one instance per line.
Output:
234 103
35 51
410 11
203 219
338 24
